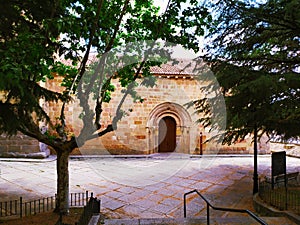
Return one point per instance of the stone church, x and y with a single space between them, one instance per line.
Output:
161 123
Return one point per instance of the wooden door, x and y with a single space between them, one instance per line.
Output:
167 134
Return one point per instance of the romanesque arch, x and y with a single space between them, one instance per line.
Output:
183 123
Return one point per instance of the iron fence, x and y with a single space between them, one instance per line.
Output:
282 198
92 207
21 208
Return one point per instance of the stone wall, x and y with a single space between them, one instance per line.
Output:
19 144
138 131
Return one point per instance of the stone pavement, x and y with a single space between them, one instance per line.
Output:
144 187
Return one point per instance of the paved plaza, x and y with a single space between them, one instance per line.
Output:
145 187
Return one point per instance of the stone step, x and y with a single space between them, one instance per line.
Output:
197 221
278 221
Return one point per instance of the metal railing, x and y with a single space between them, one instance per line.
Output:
21 208
92 207
208 206
281 197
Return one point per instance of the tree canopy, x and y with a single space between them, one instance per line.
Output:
37 38
254 53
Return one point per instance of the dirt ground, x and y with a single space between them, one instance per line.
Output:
48 218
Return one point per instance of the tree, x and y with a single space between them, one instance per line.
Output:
254 53
38 37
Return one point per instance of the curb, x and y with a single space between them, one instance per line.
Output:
266 210
151 156
48 159
164 156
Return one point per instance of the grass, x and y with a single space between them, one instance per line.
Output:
48 218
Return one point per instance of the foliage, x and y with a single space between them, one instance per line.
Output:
43 40
254 54
40 39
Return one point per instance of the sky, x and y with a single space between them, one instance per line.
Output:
179 51
161 3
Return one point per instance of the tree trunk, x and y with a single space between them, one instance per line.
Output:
62 167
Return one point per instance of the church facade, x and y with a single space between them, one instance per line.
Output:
161 123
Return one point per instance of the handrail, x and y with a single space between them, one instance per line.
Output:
220 208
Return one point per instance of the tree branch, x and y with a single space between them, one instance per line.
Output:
82 67
83 96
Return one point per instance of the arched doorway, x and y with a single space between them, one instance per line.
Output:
167 134
181 120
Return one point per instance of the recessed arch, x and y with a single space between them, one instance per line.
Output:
182 120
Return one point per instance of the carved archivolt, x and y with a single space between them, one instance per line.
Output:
183 124
174 110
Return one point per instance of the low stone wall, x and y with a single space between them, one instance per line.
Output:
290 149
19 143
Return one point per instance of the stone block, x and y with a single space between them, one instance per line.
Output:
29 148
3 148
15 148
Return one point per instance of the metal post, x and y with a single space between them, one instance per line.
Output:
207 213
16 207
21 208
286 196
184 206
86 197
201 143
6 210
255 174
43 204
10 207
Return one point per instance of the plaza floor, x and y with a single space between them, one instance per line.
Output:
144 187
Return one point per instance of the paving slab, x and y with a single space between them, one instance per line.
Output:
140 187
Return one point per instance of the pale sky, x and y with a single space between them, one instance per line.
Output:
179 51
161 3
